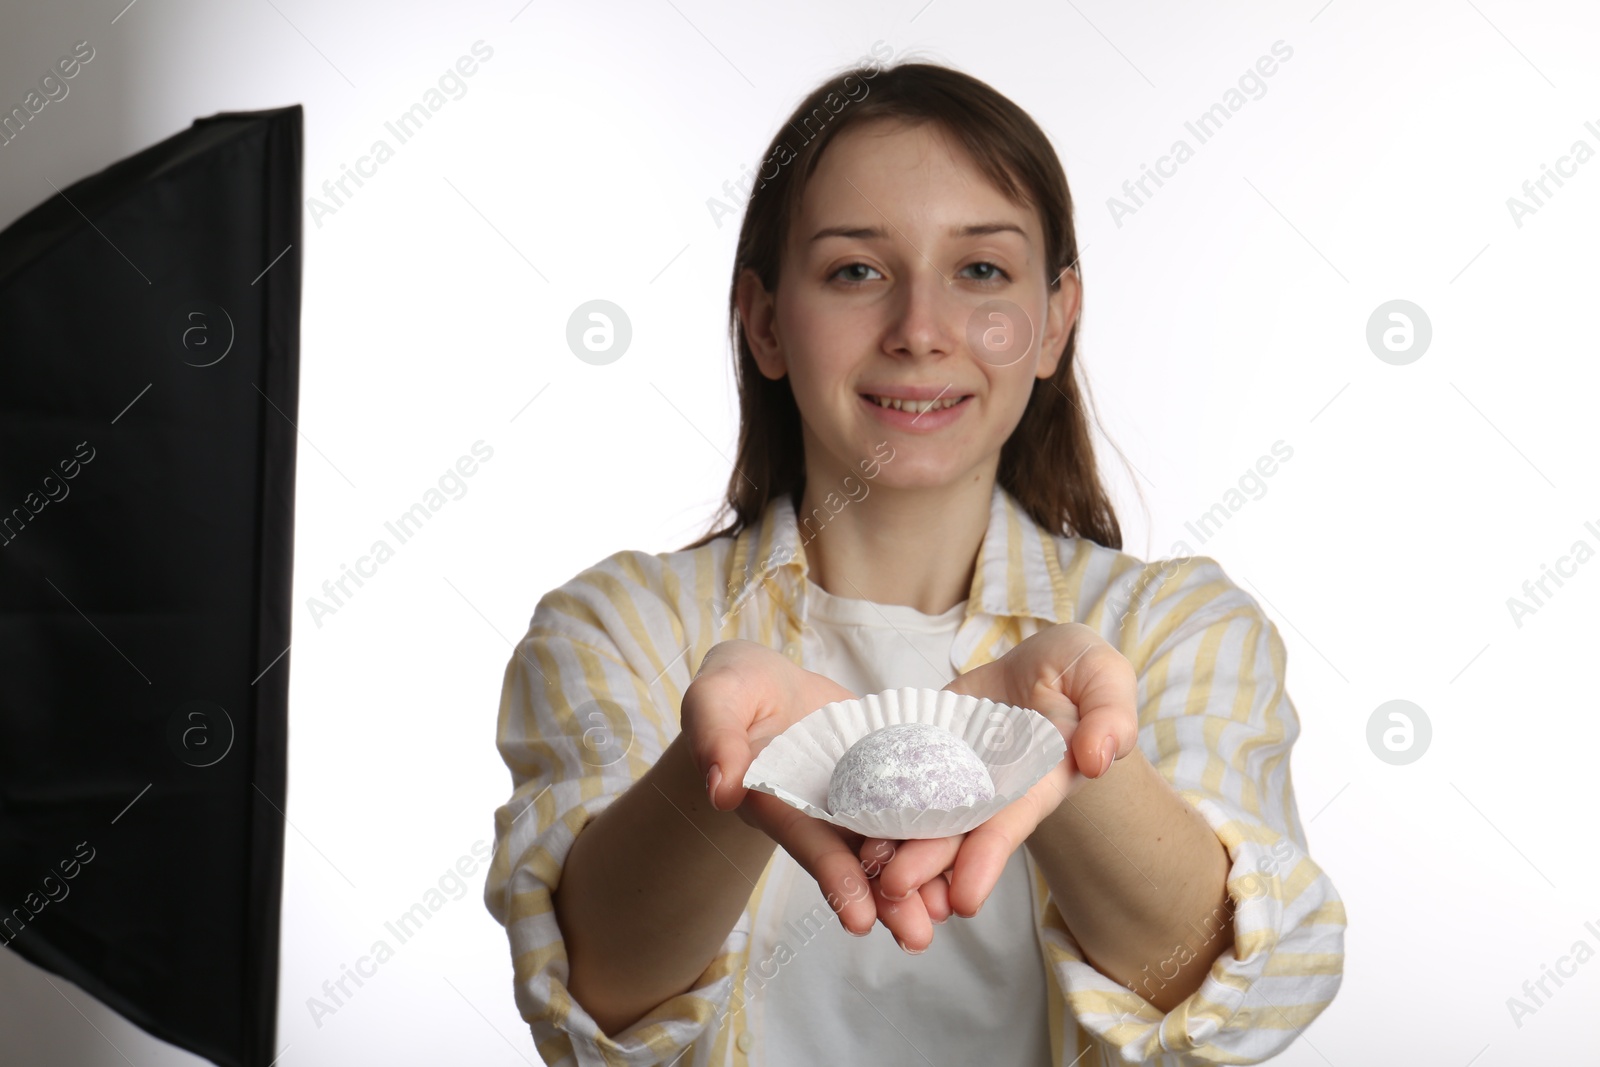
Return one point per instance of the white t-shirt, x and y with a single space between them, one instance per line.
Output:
978 994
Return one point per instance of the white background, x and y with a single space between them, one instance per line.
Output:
1228 313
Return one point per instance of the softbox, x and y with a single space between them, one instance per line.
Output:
149 371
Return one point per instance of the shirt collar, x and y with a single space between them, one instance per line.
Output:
1018 573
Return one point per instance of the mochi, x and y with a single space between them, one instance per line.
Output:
908 765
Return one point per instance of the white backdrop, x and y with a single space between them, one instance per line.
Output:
1227 313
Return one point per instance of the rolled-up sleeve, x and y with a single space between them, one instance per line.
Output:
588 704
1217 722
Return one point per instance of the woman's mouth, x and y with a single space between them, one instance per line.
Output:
916 407
920 415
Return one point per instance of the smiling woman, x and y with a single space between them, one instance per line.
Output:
909 280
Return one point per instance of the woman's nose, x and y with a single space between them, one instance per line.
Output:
927 314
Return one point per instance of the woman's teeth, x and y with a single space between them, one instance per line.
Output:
917 406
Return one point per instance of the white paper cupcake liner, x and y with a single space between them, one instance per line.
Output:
1018 746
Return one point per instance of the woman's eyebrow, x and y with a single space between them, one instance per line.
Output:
869 233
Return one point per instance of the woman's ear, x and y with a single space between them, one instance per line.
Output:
758 316
1061 312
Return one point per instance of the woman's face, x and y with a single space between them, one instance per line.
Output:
907 275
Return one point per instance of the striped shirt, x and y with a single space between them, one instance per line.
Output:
591 696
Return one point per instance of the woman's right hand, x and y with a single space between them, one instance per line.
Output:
744 695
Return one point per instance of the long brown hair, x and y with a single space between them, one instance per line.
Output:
1048 462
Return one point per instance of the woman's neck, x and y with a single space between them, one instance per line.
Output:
916 547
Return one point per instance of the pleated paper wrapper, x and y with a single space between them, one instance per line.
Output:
1018 746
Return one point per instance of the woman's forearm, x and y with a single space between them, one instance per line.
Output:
650 890
1140 878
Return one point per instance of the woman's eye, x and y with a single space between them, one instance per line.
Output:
995 272
852 267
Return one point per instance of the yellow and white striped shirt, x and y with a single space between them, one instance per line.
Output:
591 698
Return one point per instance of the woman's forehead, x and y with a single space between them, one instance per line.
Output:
896 176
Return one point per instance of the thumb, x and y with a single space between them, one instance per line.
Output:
722 754
715 717
1100 738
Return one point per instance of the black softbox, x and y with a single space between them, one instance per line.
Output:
149 371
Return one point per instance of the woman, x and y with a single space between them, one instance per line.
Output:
915 502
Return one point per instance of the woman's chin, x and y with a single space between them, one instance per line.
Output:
906 472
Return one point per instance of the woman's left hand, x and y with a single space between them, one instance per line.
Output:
1069 674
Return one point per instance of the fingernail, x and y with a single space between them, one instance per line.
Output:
909 951
713 779
863 933
941 922
904 896
1108 752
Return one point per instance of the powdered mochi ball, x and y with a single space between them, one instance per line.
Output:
908 765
